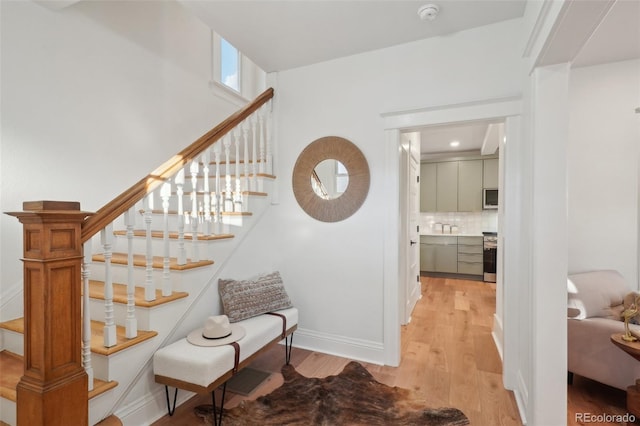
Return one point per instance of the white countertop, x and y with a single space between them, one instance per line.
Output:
459 234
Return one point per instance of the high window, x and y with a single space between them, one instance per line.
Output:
229 65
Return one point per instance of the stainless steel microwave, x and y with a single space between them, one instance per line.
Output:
490 198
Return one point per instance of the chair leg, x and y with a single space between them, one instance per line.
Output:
569 378
217 419
171 409
288 345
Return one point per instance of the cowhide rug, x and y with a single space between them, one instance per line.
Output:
353 397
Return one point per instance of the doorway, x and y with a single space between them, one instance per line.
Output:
396 124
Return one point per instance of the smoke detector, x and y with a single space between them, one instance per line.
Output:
428 12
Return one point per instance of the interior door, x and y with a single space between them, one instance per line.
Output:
413 287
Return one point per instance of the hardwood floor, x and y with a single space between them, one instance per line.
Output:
448 357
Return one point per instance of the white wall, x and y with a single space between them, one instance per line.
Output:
94 97
335 270
604 150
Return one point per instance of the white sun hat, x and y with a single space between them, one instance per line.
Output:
217 331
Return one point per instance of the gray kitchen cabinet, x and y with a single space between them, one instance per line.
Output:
439 253
428 193
447 186
490 173
470 255
470 185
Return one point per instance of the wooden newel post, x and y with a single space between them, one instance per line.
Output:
54 389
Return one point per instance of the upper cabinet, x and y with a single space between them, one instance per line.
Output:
428 179
490 178
470 186
447 187
456 186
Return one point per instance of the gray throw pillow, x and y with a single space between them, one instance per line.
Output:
248 298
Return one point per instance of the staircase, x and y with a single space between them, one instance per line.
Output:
151 261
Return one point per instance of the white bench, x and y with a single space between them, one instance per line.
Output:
203 369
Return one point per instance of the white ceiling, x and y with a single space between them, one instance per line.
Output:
279 35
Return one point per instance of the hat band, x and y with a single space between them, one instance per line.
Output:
216 338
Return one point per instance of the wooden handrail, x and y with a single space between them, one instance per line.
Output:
110 211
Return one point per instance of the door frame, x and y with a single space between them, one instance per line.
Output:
394 123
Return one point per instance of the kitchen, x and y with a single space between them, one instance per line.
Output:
459 181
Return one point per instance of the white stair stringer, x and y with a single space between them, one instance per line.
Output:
166 321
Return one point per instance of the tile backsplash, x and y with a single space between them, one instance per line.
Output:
467 223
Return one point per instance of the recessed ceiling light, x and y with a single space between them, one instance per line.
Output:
454 144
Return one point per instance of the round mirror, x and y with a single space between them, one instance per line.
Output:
347 167
329 179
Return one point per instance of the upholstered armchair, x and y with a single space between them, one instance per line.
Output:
595 305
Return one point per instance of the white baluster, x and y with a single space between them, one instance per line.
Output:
182 252
254 153
261 126
269 131
237 195
149 288
109 324
228 199
131 323
86 314
195 257
165 194
206 197
245 140
217 200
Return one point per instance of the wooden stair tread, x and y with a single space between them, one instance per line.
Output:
16 325
96 291
174 235
140 260
13 369
97 338
122 343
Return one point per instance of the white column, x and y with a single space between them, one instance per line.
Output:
254 152
106 236
86 314
131 323
165 194
548 303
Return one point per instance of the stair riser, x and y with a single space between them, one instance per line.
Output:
12 341
119 366
147 318
210 248
180 280
8 411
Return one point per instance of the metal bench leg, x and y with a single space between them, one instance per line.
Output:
288 345
171 409
217 420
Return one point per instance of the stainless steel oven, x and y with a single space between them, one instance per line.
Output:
490 256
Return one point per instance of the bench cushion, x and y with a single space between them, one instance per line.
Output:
202 366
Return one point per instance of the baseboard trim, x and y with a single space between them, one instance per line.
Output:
347 347
150 407
498 336
522 396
